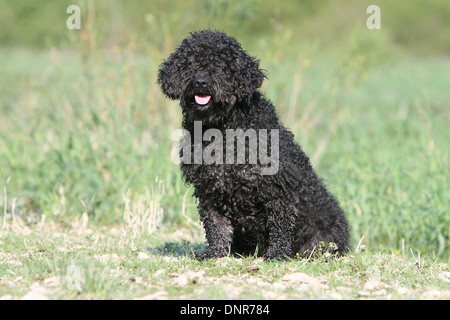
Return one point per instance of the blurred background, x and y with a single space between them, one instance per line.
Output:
85 129
419 27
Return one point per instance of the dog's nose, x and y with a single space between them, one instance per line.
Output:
201 82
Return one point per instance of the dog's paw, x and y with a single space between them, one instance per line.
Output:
209 253
273 254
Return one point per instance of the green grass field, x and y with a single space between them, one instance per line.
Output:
91 206
87 181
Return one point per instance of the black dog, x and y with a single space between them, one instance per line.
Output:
247 204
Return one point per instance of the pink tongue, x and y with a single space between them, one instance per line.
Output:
202 100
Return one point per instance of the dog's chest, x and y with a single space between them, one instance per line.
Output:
233 189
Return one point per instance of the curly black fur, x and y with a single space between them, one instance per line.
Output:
243 211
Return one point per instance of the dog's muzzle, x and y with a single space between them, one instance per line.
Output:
201 84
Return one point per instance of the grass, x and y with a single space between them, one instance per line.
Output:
78 262
89 193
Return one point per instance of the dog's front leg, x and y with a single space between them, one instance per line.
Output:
280 225
218 231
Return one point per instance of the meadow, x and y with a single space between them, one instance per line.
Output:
93 207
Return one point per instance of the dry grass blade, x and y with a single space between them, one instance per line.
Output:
144 215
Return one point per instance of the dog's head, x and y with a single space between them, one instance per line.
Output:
209 68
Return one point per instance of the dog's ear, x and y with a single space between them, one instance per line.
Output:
169 77
250 78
